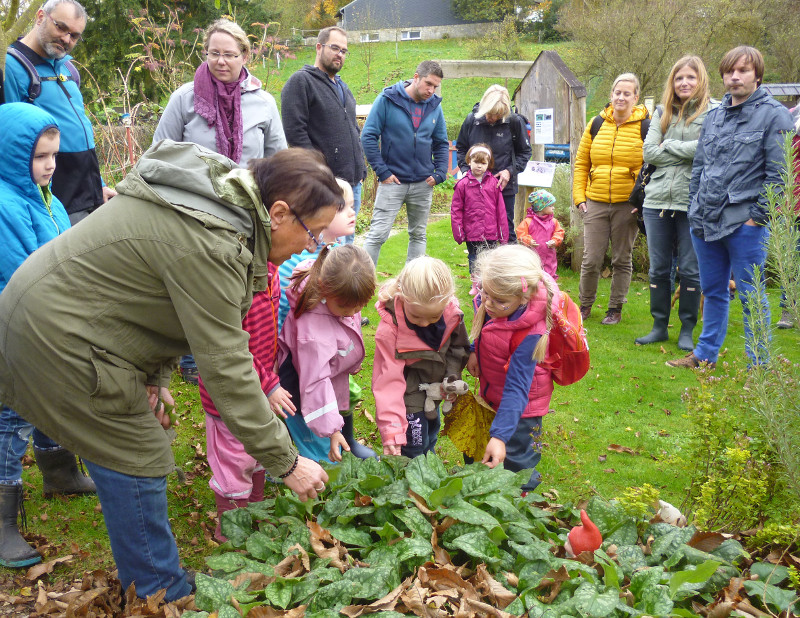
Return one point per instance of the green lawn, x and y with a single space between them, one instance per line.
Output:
459 96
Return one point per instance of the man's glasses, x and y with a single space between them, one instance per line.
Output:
64 29
313 238
342 51
215 55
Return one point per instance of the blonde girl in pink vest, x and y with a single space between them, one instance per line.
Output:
510 331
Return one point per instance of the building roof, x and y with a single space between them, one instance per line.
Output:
378 14
551 56
782 90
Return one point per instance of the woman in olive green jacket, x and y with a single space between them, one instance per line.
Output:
91 325
670 145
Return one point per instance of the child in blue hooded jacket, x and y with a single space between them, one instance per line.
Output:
30 216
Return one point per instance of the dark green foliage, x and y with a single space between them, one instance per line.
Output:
377 528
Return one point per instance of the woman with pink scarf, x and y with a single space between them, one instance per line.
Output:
224 108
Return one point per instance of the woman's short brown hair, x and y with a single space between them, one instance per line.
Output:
299 177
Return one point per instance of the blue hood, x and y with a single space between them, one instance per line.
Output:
16 149
397 94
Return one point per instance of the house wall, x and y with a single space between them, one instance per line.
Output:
455 31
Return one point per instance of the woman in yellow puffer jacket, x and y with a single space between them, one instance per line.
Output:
605 172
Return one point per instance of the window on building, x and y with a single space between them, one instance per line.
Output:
370 37
411 35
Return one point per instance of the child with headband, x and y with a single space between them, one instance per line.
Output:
478 212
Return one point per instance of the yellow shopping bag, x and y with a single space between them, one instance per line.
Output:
468 424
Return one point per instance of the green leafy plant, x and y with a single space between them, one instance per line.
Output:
639 502
395 534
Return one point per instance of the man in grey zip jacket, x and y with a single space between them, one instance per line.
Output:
319 112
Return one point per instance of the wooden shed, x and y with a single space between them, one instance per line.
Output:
549 84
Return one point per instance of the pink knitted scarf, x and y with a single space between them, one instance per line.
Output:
220 104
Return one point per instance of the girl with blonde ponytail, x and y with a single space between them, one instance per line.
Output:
511 333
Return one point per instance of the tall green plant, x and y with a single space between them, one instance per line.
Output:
774 383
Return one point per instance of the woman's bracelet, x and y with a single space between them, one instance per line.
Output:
292 469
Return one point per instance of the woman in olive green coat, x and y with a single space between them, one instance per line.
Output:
91 325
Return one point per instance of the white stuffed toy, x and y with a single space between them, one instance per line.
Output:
446 390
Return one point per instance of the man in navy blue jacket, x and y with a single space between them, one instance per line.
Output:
405 142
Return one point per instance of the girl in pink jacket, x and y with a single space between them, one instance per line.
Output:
511 330
421 339
321 337
478 212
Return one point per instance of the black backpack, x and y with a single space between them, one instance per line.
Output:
35 86
598 121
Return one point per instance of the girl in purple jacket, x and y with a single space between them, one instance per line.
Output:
510 331
478 212
321 337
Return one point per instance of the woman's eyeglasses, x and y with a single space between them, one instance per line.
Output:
215 55
305 227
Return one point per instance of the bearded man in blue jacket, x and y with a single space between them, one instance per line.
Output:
405 142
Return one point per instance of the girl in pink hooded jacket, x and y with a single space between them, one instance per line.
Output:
321 337
421 339
510 331
478 212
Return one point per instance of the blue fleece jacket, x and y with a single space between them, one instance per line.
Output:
411 155
29 215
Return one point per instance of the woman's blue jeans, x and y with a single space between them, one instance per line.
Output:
14 434
135 511
667 229
737 252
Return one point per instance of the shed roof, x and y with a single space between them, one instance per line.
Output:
783 90
551 56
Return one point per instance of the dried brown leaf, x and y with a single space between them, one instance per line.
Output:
484 609
419 501
706 541
43 568
617 448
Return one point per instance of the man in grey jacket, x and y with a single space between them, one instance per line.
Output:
319 112
739 153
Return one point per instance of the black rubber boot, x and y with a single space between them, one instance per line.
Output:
659 309
14 550
60 473
689 305
358 449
